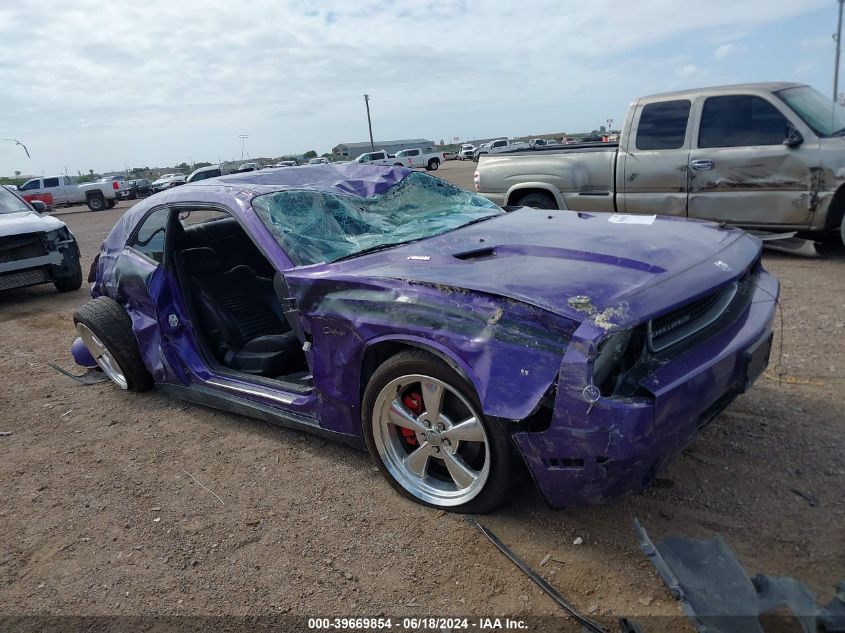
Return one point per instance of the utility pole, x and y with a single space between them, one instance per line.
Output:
243 138
838 49
370 123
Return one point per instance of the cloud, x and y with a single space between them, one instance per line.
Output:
724 50
93 85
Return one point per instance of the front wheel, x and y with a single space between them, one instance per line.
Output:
71 281
433 164
424 429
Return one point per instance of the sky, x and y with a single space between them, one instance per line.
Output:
102 85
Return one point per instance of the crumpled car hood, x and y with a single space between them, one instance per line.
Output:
27 222
578 265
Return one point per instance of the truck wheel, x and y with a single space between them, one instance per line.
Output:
96 202
423 427
111 204
106 330
433 164
842 230
71 282
398 165
538 200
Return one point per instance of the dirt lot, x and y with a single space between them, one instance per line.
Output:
101 511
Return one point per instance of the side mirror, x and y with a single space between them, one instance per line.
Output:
39 206
793 137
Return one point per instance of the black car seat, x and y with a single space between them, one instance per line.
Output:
241 316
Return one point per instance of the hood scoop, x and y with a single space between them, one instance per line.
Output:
478 254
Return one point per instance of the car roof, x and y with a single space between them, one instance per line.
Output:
764 86
235 191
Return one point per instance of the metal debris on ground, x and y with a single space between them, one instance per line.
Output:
718 596
590 626
90 377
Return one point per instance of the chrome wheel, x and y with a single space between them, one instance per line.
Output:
431 440
101 354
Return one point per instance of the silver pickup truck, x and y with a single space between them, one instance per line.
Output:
766 156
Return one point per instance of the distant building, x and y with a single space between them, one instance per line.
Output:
354 150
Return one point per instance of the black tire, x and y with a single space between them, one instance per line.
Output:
71 282
96 202
537 200
398 164
501 457
112 325
842 231
433 165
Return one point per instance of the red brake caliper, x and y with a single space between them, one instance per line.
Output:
414 403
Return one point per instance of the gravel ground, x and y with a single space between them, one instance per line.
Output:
117 503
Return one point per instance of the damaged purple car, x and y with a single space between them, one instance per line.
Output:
389 308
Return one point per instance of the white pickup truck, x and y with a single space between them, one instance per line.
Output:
62 191
500 145
380 157
418 158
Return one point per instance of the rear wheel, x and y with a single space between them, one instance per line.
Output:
96 201
106 331
538 200
433 164
424 429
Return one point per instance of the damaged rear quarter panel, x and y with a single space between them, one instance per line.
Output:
510 352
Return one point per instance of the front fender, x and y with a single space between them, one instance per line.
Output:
509 351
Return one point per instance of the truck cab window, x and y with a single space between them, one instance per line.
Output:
149 238
31 184
663 125
740 121
51 182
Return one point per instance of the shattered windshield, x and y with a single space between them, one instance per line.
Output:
317 226
822 114
10 203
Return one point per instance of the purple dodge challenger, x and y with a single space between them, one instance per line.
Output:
388 308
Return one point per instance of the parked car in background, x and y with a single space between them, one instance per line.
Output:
138 188
450 155
319 160
245 167
378 158
35 248
167 181
286 163
62 191
499 145
766 156
203 173
416 158
466 152
563 339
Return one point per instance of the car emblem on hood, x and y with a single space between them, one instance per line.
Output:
720 264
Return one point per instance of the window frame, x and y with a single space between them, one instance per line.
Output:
700 116
686 138
134 234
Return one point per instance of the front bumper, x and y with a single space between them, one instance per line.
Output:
58 259
594 455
